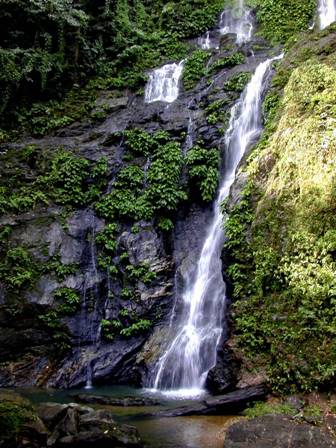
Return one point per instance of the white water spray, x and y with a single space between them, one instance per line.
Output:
326 12
183 369
163 84
205 41
237 21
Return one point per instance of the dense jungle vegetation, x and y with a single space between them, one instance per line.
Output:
56 55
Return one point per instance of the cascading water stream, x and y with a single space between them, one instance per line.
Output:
94 334
163 84
183 369
205 41
326 12
237 21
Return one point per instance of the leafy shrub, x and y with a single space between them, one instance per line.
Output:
194 68
164 191
142 326
66 179
203 170
110 329
18 269
283 19
70 300
237 83
107 238
13 416
141 272
227 62
139 141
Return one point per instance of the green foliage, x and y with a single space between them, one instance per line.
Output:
100 169
165 224
124 203
13 416
164 191
18 269
313 411
32 176
131 177
70 301
283 19
142 326
282 241
110 329
216 106
130 198
261 409
124 326
140 272
194 68
190 19
127 294
139 141
66 179
21 200
61 270
238 82
203 170
107 238
227 62
217 113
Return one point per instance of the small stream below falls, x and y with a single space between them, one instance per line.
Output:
177 432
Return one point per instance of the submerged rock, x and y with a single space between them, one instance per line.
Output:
111 401
228 404
276 432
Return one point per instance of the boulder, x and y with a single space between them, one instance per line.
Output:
75 426
224 376
276 432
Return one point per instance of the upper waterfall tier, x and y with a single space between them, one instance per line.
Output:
163 84
326 12
237 21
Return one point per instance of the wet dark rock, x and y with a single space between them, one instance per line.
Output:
111 363
76 426
111 401
228 404
224 376
33 435
276 432
108 103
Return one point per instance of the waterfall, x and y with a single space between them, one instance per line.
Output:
237 21
326 12
94 333
183 369
163 84
205 42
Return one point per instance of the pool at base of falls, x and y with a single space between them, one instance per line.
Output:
177 432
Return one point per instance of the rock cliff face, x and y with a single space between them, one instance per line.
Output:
71 318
